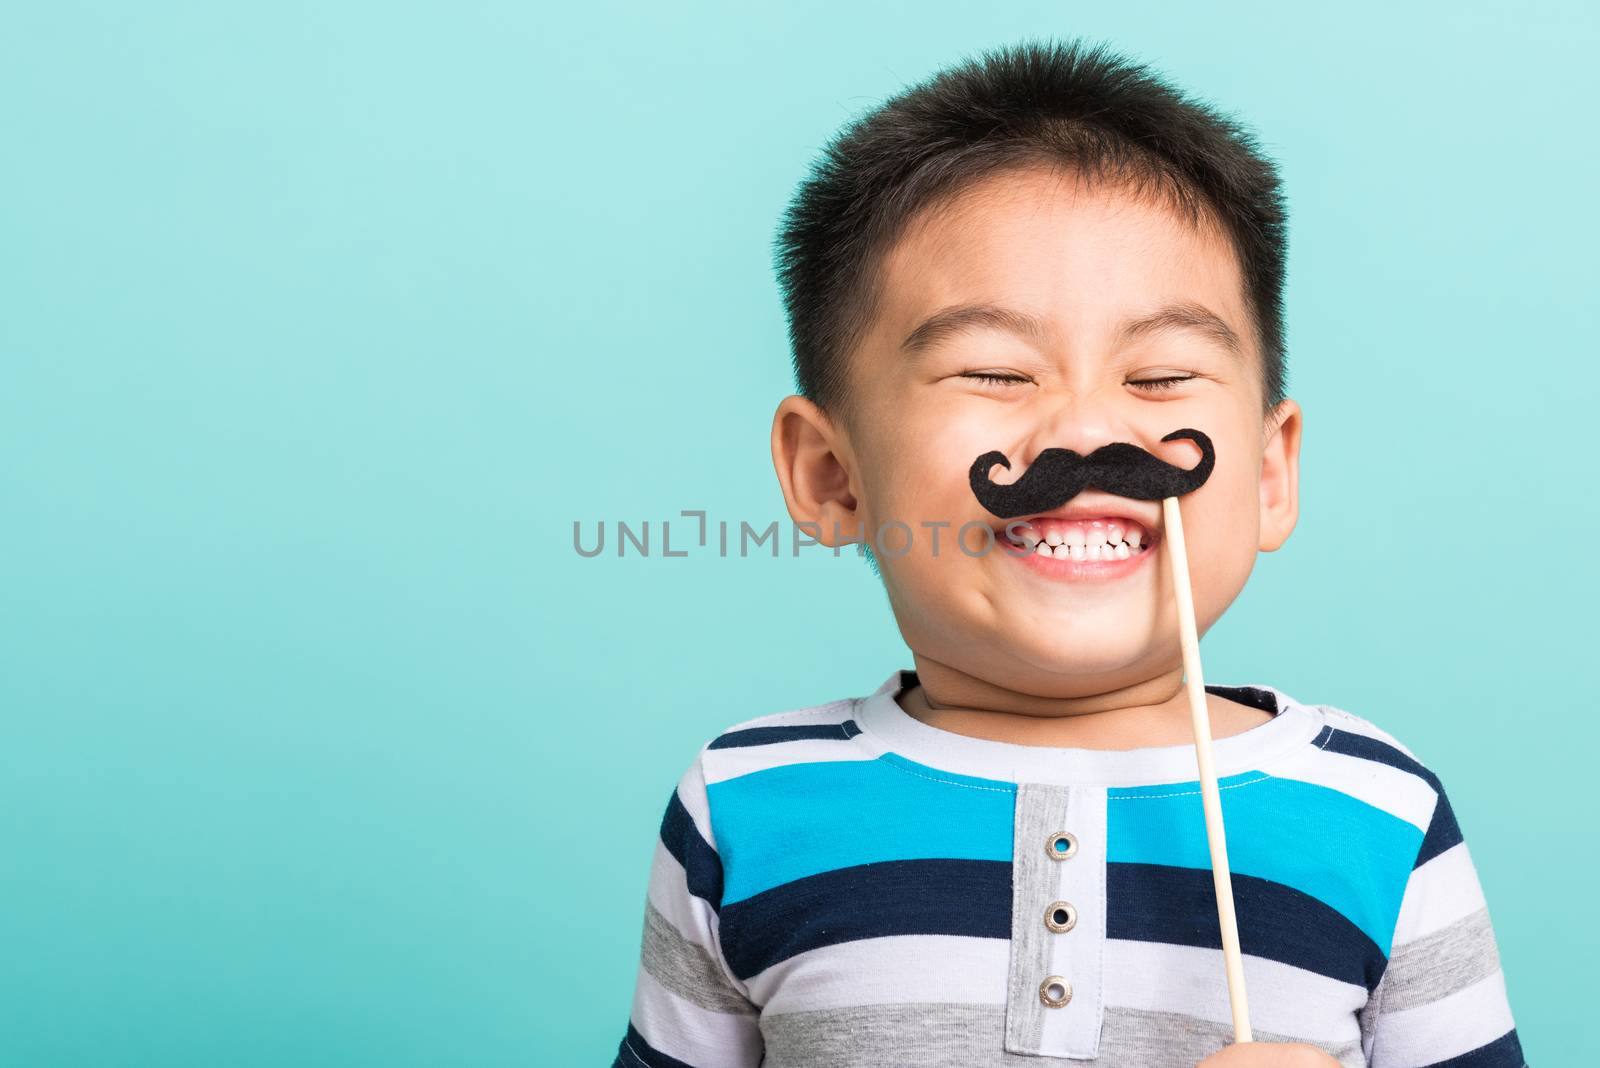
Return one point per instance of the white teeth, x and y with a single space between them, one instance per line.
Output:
1078 541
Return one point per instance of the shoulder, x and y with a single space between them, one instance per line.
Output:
1348 735
815 734
792 738
1353 755
1349 725
832 719
757 780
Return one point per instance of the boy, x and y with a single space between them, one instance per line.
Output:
1000 856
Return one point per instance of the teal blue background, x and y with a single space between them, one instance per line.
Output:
322 323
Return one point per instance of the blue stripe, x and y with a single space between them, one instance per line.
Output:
1503 1052
635 1052
785 823
1345 853
897 897
701 865
1155 903
1443 830
770 735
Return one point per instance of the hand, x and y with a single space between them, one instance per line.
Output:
1269 1055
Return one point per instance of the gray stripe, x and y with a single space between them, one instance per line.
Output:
1437 965
1040 812
974 1036
687 969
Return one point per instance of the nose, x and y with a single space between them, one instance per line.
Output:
1081 425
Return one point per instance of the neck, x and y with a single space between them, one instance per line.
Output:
1149 712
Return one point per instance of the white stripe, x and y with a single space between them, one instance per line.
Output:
1453 1025
1399 793
887 971
724 764
1440 892
831 712
1188 980
684 1030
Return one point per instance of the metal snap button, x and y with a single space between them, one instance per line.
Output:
1060 916
1055 992
1061 845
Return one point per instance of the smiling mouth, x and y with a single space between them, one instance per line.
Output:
1082 540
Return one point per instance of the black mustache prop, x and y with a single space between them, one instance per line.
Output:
1058 475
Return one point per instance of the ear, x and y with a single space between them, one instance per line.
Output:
815 468
1280 475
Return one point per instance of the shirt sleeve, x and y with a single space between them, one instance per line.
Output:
1442 1000
688 1009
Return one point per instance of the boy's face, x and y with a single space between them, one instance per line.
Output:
1122 291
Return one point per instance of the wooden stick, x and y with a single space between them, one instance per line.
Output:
1210 797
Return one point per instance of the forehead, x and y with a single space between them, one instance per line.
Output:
1084 256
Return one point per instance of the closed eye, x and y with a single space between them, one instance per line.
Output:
1155 384
1000 378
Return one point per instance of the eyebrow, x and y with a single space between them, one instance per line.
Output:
1185 316
953 320
948 322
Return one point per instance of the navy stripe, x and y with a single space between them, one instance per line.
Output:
1443 830
1359 745
701 865
772 735
635 1052
1163 903
1503 1052
890 897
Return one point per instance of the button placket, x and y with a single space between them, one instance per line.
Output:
1077 953
1054 1006
1060 917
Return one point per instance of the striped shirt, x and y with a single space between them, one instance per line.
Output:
846 885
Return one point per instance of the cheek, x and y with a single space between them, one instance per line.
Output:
1222 522
924 480
916 509
1232 504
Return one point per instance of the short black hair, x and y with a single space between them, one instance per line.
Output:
1064 104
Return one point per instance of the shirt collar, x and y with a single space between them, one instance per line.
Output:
885 723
